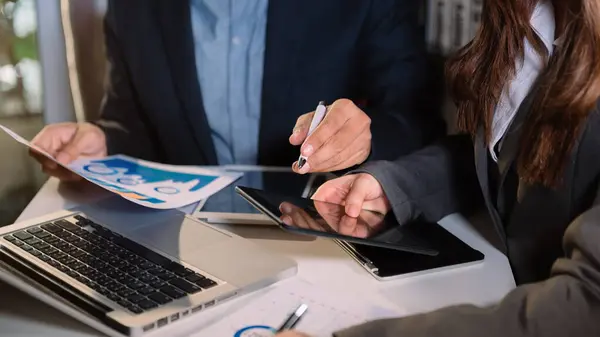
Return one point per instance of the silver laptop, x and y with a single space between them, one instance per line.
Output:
132 269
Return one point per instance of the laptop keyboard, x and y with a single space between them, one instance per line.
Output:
122 270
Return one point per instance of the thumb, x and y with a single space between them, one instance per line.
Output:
357 195
72 150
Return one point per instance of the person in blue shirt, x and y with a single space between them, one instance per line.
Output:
216 82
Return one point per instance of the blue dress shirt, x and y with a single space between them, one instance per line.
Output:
229 39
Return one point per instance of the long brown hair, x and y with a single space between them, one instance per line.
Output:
567 89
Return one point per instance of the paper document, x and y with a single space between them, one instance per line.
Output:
327 312
146 183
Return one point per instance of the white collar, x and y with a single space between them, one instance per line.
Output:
543 23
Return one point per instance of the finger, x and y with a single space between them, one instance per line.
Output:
62 174
43 160
347 225
327 159
52 138
357 195
301 129
335 190
75 148
337 115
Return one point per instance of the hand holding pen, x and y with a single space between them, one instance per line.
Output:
332 138
291 321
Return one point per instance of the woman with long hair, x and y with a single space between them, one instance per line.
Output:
527 90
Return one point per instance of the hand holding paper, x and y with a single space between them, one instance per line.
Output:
67 142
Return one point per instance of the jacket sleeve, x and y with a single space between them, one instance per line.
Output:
122 117
567 304
402 98
433 182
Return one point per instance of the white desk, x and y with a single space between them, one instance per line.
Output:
320 261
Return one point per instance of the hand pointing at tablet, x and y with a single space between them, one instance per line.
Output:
342 139
356 192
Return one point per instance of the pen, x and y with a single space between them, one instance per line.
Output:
316 120
293 319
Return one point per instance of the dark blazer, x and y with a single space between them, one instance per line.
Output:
369 51
530 220
567 304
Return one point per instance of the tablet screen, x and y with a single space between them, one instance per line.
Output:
227 200
306 216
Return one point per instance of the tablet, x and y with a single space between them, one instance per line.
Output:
316 218
226 207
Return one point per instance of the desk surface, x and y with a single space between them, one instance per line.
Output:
320 261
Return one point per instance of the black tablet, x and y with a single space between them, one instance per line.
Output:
226 207
316 218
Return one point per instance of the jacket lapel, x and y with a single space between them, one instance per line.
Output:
175 24
481 166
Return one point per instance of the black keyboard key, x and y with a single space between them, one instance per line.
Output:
206 283
71 238
146 290
66 225
148 278
114 273
138 273
72 273
31 241
113 297
142 251
40 245
48 250
147 305
85 271
60 245
62 268
34 230
51 228
136 285
64 235
194 278
135 298
126 292
158 284
120 264
103 279
125 279
185 285
35 253
114 286
178 269
103 291
135 309
166 276
41 234
76 265
160 298
59 255
124 303
51 239
79 232
172 291
22 235
18 243
10 238
77 253
44 258
81 218
146 265
65 259
27 248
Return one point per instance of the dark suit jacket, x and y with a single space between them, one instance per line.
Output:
530 220
369 51
567 304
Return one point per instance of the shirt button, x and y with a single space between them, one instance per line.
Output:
236 40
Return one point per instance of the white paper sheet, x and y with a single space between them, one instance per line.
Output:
327 312
146 183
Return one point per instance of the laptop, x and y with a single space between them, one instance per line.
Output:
130 269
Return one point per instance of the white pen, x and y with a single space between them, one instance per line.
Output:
318 116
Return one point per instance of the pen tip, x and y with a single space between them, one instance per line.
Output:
321 102
301 162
